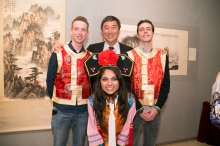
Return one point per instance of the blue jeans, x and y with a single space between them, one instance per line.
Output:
150 130
61 122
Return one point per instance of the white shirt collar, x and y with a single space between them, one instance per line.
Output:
116 47
144 50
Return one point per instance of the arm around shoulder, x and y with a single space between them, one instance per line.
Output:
57 47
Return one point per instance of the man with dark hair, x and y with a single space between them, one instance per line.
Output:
69 88
145 21
150 81
110 27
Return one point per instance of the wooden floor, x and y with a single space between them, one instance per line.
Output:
192 142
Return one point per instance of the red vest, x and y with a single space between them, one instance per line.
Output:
147 75
71 83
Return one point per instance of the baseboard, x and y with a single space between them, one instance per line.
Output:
175 141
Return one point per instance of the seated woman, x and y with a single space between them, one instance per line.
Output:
111 108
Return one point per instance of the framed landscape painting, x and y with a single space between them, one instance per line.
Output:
29 30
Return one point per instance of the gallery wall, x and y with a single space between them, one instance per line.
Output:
181 113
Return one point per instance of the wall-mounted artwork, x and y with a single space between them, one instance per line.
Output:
173 40
29 30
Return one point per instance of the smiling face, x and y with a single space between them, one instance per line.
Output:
79 31
110 32
109 82
145 33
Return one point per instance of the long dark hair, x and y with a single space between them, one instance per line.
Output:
100 100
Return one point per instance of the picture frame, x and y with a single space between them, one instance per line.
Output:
27 114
